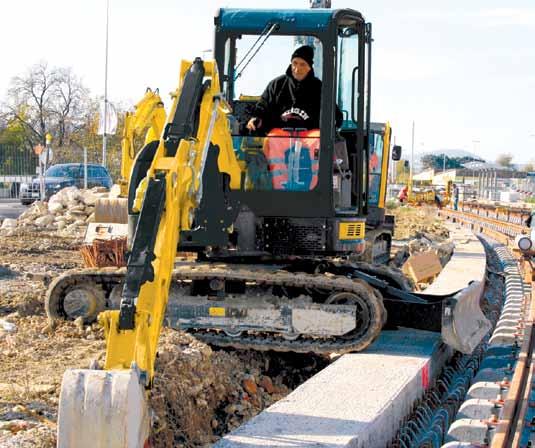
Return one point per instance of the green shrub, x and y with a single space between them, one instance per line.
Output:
391 204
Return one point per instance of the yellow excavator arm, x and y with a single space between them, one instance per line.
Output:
149 113
109 408
176 181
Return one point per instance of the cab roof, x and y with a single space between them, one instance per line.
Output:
296 20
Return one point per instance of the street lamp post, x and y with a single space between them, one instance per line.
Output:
104 136
44 157
412 160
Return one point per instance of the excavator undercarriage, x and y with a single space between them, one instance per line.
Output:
303 306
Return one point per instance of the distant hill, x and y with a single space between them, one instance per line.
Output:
454 153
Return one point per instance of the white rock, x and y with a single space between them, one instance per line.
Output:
60 197
9 223
90 218
89 197
40 208
36 210
77 208
78 215
55 206
79 222
73 194
61 225
44 221
70 228
7 326
25 214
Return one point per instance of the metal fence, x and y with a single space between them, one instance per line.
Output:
17 165
75 154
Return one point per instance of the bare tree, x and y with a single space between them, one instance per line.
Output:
47 100
70 104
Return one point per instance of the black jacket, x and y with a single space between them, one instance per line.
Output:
288 103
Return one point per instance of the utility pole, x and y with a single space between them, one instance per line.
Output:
412 158
104 136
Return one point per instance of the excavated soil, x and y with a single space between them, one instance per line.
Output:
417 222
200 393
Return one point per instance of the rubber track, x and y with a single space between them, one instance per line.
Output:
258 341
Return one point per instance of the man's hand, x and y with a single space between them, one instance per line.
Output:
254 123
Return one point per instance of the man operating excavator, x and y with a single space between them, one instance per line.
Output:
292 100
288 112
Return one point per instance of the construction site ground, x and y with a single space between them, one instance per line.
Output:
200 393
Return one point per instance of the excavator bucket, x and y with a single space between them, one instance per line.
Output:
103 409
463 323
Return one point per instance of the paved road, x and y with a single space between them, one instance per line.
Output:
11 208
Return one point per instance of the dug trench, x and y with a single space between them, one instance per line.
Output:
200 393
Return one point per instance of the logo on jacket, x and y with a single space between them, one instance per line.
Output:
294 113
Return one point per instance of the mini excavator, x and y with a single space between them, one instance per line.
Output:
292 264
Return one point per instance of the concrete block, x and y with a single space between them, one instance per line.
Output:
476 408
486 391
358 401
467 430
501 339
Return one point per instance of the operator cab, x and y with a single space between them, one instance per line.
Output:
308 172
378 163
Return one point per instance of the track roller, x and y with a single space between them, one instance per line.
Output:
85 301
371 314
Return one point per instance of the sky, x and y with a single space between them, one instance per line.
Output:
463 72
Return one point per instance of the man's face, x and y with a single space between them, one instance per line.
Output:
300 68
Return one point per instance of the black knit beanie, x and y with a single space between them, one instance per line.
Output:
305 52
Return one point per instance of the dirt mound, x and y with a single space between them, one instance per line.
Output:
416 222
200 394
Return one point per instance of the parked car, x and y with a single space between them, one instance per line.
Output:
65 175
